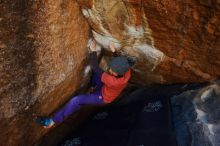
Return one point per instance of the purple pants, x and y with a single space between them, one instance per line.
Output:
77 101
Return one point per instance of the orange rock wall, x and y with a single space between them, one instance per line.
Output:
43 50
173 41
42 61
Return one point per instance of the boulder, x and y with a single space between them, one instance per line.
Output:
43 54
43 57
196 116
172 41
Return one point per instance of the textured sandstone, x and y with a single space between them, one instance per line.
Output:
173 41
42 51
43 55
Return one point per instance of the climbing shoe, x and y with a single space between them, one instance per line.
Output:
45 122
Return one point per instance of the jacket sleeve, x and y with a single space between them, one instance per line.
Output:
94 63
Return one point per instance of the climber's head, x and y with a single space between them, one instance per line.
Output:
118 66
112 72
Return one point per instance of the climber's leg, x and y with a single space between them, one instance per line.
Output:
75 103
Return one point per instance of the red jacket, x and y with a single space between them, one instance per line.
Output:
113 86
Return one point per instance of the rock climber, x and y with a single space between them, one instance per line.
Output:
109 85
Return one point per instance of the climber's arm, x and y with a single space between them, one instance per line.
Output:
94 59
94 63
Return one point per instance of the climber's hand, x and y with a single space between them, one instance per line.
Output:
93 46
112 47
